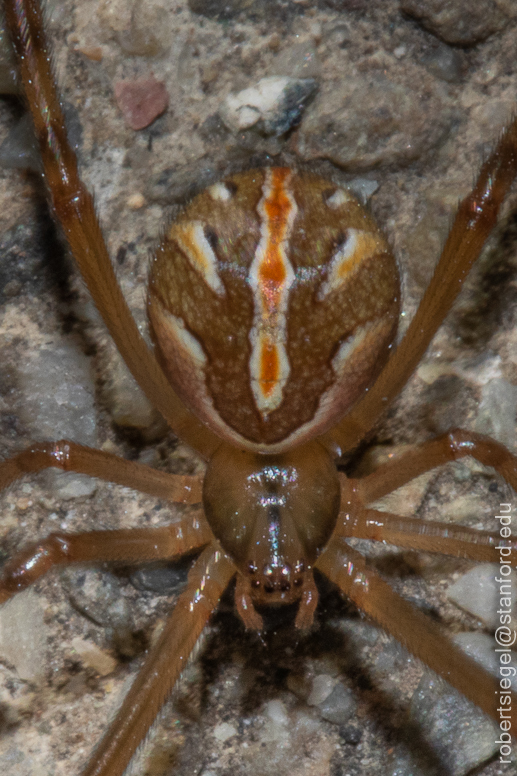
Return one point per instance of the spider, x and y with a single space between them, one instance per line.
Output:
284 574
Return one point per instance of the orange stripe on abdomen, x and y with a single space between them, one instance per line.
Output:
271 278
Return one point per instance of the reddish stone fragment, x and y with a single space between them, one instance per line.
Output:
141 101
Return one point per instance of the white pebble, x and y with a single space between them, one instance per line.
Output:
224 731
23 635
479 592
274 104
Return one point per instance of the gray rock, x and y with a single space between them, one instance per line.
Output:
59 403
460 737
360 123
340 705
497 411
445 62
97 594
459 22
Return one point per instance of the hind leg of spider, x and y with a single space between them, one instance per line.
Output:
184 535
475 219
421 636
74 207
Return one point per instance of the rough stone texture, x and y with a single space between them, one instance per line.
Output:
49 726
23 635
457 21
361 122
459 736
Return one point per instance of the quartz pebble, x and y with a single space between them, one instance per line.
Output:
273 105
497 411
23 635
298 61
224 731
479 593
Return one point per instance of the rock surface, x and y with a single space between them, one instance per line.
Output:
436 110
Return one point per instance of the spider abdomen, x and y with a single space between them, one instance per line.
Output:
273 301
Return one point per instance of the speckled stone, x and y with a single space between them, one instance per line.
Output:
459 22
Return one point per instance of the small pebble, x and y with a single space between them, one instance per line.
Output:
97 594
322 686
277 726
298 61
127 404
94 53
480 647
141 101
363 188
224 731
497 411
445 62
273 105
23 635
339 706
478 592
59 403
93 656
136 201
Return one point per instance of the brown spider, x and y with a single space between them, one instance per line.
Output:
278 572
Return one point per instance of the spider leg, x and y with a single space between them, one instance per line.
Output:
456 540
348 570
74 208
448 447
132 545
189 533
71 457
164 663
459 541
476 217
